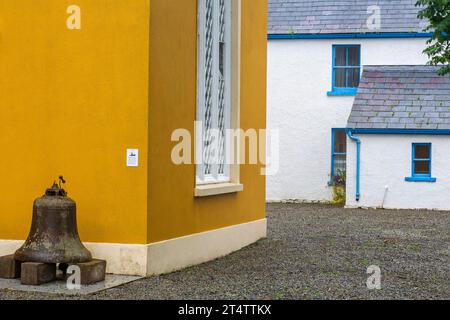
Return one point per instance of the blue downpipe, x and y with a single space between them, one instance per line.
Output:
358 162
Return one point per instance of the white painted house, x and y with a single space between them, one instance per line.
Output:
317 51
400 127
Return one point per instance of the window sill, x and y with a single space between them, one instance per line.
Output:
217 189
342 92
420 179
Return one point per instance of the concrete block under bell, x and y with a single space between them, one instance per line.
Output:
92 272
9 268
35 274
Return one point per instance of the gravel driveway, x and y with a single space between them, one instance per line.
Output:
315 252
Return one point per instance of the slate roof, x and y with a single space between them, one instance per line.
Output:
401 97
341 16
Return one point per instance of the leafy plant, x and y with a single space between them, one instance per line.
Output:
437 12
340 178
339 181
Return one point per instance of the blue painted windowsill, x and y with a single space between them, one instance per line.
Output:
342 92
420 179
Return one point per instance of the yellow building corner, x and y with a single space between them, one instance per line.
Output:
83 82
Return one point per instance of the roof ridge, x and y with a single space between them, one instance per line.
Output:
341 17
415 68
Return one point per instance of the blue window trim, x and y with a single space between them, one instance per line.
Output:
335 91
334 154
381 35
432 132
420 177
342 91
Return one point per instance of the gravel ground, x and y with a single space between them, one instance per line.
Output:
314 252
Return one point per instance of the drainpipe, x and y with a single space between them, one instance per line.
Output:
358 161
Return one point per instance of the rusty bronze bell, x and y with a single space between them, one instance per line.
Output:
54 235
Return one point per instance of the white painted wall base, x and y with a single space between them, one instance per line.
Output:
171 255
8 247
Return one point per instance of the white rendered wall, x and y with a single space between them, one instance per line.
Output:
299 76
386 162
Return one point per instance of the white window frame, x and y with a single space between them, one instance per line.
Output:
230 175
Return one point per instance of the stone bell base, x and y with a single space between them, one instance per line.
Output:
35 274
9 268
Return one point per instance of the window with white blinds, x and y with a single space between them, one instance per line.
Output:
214 89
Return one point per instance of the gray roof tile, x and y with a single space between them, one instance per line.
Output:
341 16
426 106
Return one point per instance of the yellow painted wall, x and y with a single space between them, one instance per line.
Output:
71 102
173 211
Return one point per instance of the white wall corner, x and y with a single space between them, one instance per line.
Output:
126 259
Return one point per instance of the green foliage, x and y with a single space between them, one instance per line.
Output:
340 178
338 195
437 12
339 181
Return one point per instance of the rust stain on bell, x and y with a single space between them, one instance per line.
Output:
54 235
